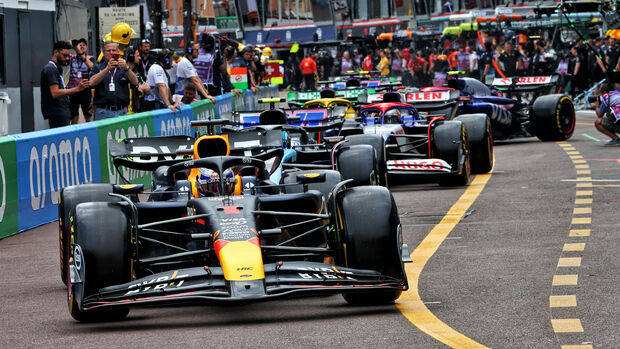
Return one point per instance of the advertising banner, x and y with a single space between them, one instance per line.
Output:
238 102
224 106
250 100
48 161
203 110
8 187
167 123
128 126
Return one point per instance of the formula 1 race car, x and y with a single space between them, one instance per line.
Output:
317 235
446 151
550 117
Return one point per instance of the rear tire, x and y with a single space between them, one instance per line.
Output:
359 163
371 232
102 237
68 199
450 143
552 118
378 143
480 141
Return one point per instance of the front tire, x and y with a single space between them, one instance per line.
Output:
371 232
68 199
101 256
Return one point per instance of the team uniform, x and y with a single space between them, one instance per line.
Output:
610 108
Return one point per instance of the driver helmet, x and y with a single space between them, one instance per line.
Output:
392 116
208 182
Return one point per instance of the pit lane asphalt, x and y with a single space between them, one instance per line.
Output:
490 279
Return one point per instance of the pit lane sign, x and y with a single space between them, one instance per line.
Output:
110 16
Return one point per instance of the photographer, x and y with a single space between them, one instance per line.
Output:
79 68
221 79
608 112
111 79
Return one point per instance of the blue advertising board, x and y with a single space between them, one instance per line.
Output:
167 123
50 160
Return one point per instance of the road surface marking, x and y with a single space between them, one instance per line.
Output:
566 325
582 210
576 246
584 193
565 280
581 220
569 262
579 232
563 301
583 172
590 137
578 346
410 302
583 201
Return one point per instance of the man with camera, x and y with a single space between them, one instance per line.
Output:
79 68
54 95
111 79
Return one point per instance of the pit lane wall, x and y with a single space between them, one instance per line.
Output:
35 166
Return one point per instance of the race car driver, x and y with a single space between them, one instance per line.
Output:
608 113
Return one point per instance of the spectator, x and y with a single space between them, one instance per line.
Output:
357 59
111 79
189 94
221 78
346 64
474 72
55 104
186 72
158 81
526 59
539 65
417 67
146 60
121 34
289 72
440 68
367 63
309 71
132 56
579 72
608 113
462 60
511 60
384 64
487 72
613 61
79 68
397 64
326 64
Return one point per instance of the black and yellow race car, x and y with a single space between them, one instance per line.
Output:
312 234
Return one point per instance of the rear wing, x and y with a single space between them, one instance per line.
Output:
147 154
525 83
298 117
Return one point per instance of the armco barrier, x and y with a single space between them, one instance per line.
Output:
8 187
49 160
35 166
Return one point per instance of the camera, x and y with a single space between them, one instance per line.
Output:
130 54
592 99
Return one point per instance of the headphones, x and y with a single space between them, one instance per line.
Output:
189 49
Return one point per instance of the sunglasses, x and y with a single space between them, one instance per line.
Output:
145 41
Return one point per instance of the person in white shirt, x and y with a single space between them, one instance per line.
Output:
158 81
186 73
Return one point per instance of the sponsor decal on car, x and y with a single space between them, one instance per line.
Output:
437 96
419 165
526 80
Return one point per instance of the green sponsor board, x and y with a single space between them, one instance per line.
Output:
352 94
309 96
8 187
129 126
203 110
226 23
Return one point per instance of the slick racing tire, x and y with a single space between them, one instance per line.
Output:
359 163
450 143
377 142
480 141
372 234
101 256
552 118
68 199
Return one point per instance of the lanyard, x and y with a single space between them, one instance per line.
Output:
112 75
61 79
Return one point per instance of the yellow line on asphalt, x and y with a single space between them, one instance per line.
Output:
563 301
566 325
579 232
410 303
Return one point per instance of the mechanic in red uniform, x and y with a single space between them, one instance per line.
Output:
309 71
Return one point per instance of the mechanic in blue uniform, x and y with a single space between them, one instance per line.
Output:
608 112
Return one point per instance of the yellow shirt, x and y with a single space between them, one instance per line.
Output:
383 66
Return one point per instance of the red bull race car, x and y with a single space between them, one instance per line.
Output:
214 240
